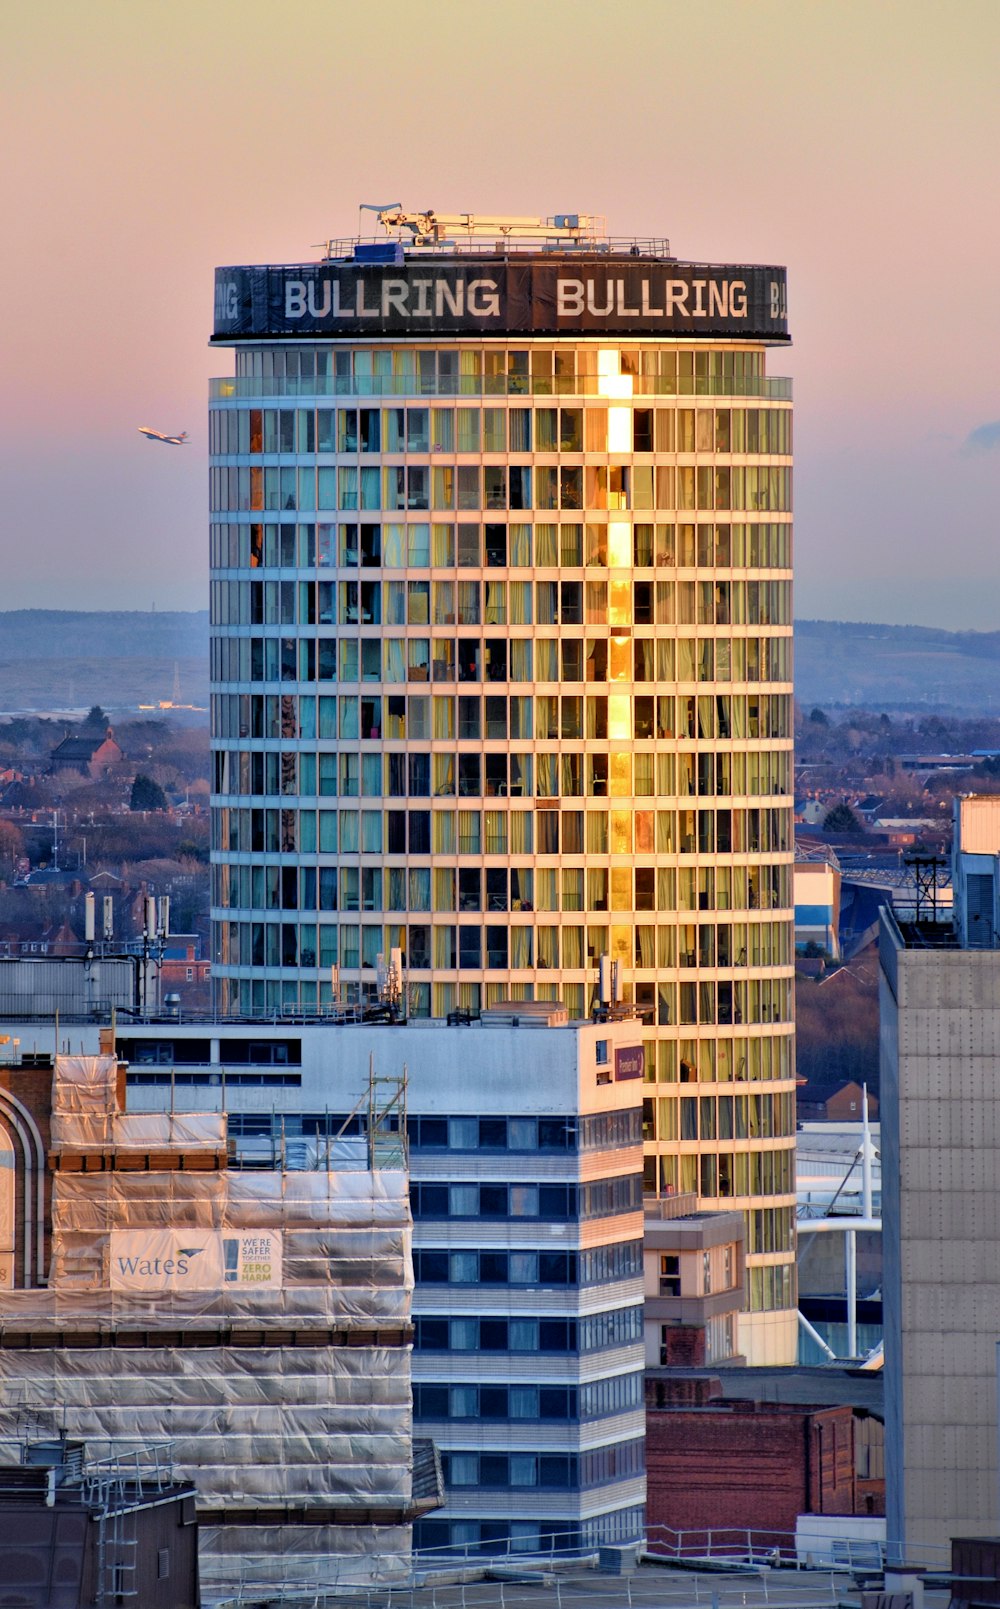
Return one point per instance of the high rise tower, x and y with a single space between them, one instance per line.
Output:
501 662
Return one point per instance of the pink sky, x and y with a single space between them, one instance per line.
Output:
857 142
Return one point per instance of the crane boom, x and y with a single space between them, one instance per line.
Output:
431 228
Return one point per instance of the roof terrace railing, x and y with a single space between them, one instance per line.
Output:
227 388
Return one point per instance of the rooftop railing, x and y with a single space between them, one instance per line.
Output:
727 1569
227 388
590 243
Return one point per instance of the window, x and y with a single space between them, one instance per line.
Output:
670 1275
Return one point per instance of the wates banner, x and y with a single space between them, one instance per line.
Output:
157 1260
617 296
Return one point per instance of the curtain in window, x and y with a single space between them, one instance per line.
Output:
348 832
496 832
327 500
519 538
444 775
444 717
444 892
520 603
444 661
572 896
443 544
546 889
547 776
418 659
547 660
597 832
371 832
442 487
418 543
546 545
520 430
468 603
395 888
394 547
597 889
521 833
444 832
521 660
496 603
468 418
444 603
469 834
521 946
420 888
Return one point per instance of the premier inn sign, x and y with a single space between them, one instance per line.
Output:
531 296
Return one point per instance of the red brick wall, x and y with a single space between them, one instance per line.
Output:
685 1346
747 1466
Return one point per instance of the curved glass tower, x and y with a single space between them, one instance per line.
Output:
501 667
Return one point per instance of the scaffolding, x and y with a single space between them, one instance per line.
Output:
258 1318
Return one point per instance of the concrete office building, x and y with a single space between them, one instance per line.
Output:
501 663
940 1132
695 1284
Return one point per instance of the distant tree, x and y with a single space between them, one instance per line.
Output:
841 819
147 794
11 847
836 1027
818 717
187 849
96 719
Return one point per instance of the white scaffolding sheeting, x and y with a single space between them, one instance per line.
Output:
261 1416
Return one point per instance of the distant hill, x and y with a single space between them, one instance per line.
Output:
888 667
67 659
56 659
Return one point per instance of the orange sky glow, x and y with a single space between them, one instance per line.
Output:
146 142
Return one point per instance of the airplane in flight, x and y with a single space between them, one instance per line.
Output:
158 435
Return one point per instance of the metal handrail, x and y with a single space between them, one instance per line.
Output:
759 1553
469 387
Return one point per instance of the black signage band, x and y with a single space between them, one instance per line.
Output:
482 298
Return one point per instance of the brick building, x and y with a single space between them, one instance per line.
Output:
92 754
716 1462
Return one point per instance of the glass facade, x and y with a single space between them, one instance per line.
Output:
501 671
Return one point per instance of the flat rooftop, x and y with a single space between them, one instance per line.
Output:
651 1586
805 1386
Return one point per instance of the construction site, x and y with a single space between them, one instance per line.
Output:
254 1319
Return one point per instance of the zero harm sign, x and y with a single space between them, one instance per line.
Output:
617 296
